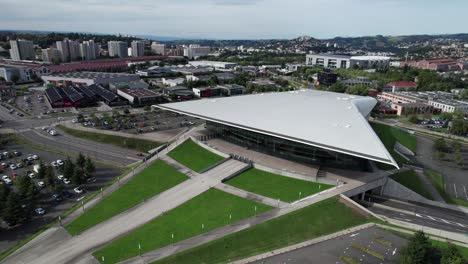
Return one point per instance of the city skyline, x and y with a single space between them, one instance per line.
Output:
237 19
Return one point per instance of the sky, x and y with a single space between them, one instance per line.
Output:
238 19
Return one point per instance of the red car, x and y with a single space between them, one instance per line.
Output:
139 154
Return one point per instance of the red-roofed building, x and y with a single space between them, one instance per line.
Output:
399 86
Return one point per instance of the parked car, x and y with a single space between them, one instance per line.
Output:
60 162
41 184
13 167
60 177
54 164
78 190
57 197
66 181
31 175
39 211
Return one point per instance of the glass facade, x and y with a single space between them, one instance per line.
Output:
287 149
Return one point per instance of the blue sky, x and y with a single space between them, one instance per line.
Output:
235 19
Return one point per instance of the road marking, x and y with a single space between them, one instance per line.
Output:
394 252
455 188
464 189
354 234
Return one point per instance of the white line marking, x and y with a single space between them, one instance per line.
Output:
455 188
394 252
464 189
354 234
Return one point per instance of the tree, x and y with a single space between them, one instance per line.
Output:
68 168
78 177
41 172
115 112
358 89
417 251
147 108
13 212
49 178
413 119
440 145
451 255
80 161
89 166
459 158
26 189
126 111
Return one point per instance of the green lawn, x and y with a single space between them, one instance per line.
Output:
389 135
193 156
410 180
438 182
153 180
275 186
124 142
316 220
211 209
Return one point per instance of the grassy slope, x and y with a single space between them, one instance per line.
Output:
275 186
155 179
438 182
410 180
316 220
389 135
193 156
211 208
129 143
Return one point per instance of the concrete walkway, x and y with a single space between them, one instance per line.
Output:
251 196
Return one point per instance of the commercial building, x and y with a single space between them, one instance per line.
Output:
140 97
195 51
306 126
231 89
118 49
173 82
138 48
51 55
106 96
330 60
326 77
214 64
203 92
399 86
178 93
88 78
129 85
158 48
7 90
442 65
358 81
22 50
69 96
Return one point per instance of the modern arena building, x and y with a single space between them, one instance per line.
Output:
307 126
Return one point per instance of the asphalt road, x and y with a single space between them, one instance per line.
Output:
439 218
330 251
98 151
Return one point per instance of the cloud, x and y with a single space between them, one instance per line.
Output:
237 18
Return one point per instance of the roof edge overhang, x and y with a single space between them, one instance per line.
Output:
390 161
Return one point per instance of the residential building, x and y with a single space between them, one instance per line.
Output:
138 48
358 81
441 65
69 50
7 90
118 49
51 55
89 50
158 48
140 97
399 86
22 50
330 60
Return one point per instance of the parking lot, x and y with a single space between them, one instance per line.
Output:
378 242
51 205
140 122
35 103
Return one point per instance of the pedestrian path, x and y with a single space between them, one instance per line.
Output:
251 196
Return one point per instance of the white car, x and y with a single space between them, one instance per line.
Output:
35 157
13 167
4 177
8 181
54 164
66 181
39 211
60 162
52 132
74 120
31 175
60 177
78 190
41 184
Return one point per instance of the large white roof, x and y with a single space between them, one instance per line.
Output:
327 120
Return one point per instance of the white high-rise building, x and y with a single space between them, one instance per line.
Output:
138 48
117 49
195 50
69 49
22 50
51 55
158 48
89 50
